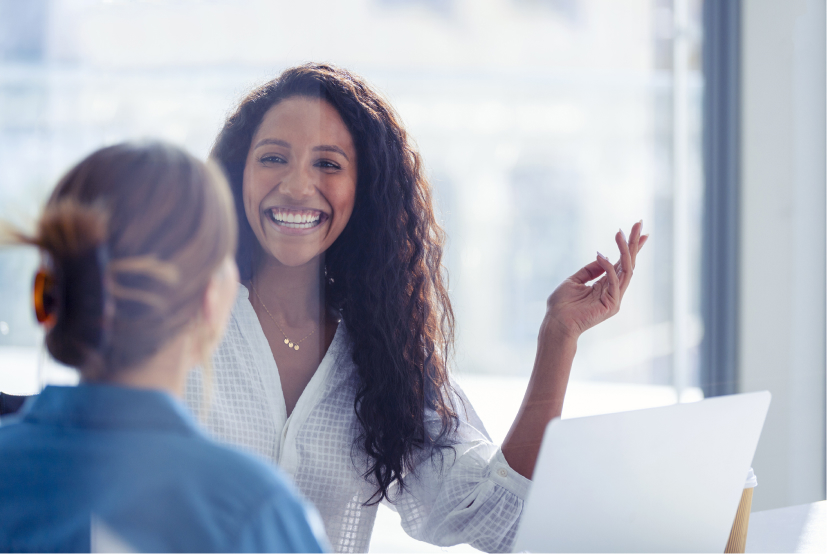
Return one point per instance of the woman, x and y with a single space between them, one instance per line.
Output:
137 282
335 364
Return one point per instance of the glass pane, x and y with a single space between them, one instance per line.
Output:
545 125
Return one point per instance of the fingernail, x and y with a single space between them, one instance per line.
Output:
622 234
602 256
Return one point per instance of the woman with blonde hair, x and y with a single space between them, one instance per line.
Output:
136 284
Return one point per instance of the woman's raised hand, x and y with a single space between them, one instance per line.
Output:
576 306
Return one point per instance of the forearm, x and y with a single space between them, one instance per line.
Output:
542 402
573 307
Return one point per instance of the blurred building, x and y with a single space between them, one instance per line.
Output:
545 126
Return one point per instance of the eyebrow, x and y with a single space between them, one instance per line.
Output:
277 142
330 148
285 144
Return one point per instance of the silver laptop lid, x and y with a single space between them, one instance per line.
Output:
656 480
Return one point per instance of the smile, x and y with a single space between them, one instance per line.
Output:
297 219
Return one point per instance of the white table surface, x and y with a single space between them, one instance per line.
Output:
793 529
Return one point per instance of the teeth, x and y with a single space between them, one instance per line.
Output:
295 219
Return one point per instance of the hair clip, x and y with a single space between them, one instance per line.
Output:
45 301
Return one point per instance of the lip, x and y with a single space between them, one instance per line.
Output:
276 216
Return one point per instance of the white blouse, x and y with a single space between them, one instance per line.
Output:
471 497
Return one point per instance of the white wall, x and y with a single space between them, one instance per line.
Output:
782 257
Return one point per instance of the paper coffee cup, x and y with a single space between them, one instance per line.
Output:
738 536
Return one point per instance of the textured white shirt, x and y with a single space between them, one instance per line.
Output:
472 497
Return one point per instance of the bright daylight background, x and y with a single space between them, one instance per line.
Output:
545 125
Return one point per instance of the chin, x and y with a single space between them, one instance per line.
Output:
295 258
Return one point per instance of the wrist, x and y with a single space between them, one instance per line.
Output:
555 332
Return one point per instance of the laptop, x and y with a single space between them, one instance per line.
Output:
656 480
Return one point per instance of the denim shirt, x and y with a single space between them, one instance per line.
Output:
133 464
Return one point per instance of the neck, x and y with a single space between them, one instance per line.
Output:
167 370
294 294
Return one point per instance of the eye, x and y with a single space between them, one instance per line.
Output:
272 159
327 164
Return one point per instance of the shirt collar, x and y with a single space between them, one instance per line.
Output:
243 292
102 406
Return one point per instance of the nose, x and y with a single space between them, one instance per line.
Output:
299 183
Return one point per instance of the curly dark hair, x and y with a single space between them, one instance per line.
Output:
384 272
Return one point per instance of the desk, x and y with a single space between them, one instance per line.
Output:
794 529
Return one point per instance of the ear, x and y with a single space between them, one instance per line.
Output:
210 302
218 300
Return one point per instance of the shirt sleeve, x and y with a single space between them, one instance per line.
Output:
468 494
282 525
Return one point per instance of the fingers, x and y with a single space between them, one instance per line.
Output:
625 261
634 240
611 275
588 273
624 268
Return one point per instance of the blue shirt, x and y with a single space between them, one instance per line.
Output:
135 462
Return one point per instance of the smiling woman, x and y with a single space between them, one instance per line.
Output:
339 246
318 140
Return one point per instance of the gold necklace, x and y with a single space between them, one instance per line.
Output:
290 344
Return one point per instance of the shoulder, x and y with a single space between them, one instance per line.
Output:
15 431
243 337
270 514
243 345
343 373
250 478
341 348
7 422
210 495
15 437
242 314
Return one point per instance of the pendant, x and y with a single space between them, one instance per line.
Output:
286 341
290 345
296 347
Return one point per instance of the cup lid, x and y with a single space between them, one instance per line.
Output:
752 481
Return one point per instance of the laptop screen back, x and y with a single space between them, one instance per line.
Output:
656 480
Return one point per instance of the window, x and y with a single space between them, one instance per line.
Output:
545 125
